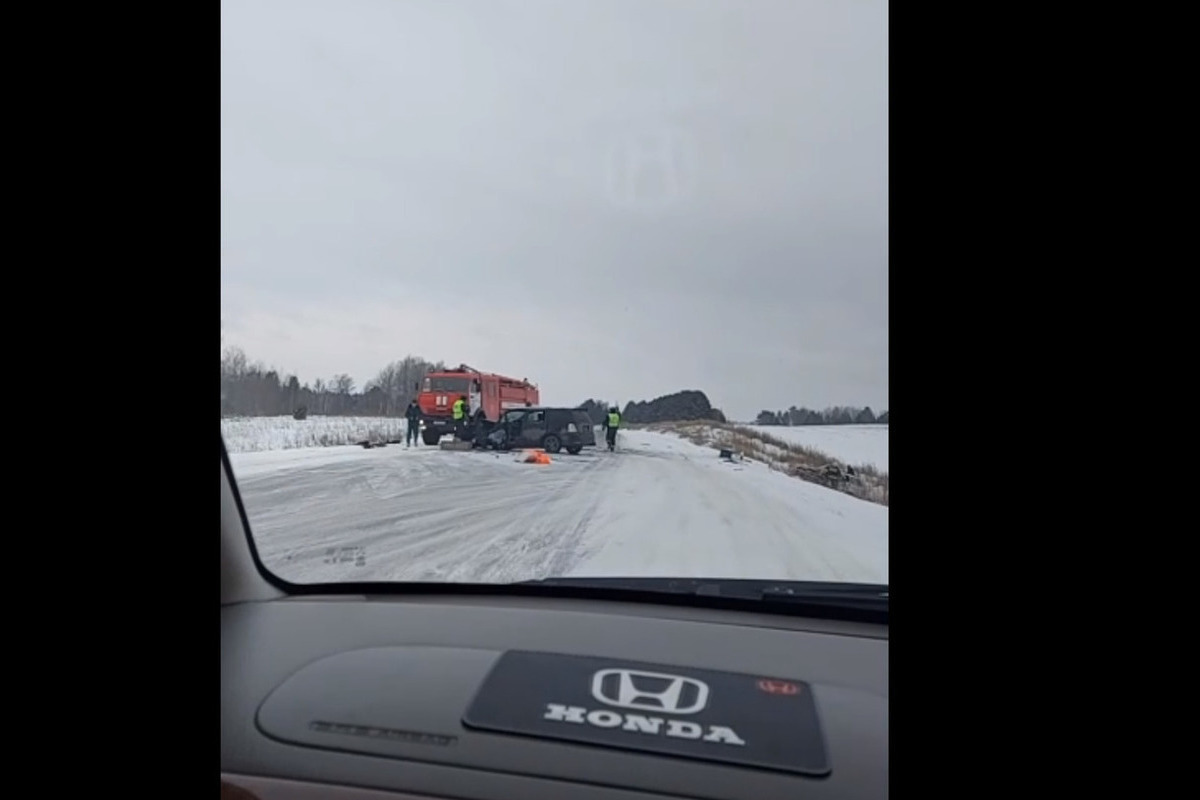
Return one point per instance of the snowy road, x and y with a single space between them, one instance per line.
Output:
660 506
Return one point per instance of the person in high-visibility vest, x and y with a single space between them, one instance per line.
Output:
459 412
611 423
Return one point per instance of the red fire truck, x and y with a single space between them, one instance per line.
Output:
486 394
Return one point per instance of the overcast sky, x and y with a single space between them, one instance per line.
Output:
614 198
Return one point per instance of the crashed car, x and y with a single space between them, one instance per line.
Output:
552 429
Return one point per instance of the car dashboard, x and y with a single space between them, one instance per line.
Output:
444 696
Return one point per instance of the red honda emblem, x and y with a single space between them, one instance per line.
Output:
778 687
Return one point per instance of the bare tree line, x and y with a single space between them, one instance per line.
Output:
251 389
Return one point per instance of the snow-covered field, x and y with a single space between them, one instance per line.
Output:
659 506
857 445
252 434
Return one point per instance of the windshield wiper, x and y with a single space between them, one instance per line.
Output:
821 597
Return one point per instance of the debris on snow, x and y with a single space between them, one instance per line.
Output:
534 456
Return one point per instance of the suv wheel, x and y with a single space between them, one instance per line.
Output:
575 449
551 444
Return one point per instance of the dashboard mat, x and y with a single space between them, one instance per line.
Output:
756 721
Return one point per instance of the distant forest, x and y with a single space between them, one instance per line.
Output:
837 415
694 405
251 389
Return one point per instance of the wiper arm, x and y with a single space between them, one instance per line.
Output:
831 595
821 596
870 601
726 587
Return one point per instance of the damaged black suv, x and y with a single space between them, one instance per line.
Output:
552 429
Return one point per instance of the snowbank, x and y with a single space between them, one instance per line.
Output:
683 512
258 434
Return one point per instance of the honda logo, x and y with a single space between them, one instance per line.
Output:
649 691
645 691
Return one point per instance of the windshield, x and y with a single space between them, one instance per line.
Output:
666 219
447 384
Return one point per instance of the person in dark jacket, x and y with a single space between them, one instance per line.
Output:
413 415
479 438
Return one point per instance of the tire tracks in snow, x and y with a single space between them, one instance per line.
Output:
547 543
428 517
656 506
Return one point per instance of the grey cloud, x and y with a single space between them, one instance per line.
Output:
476 159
